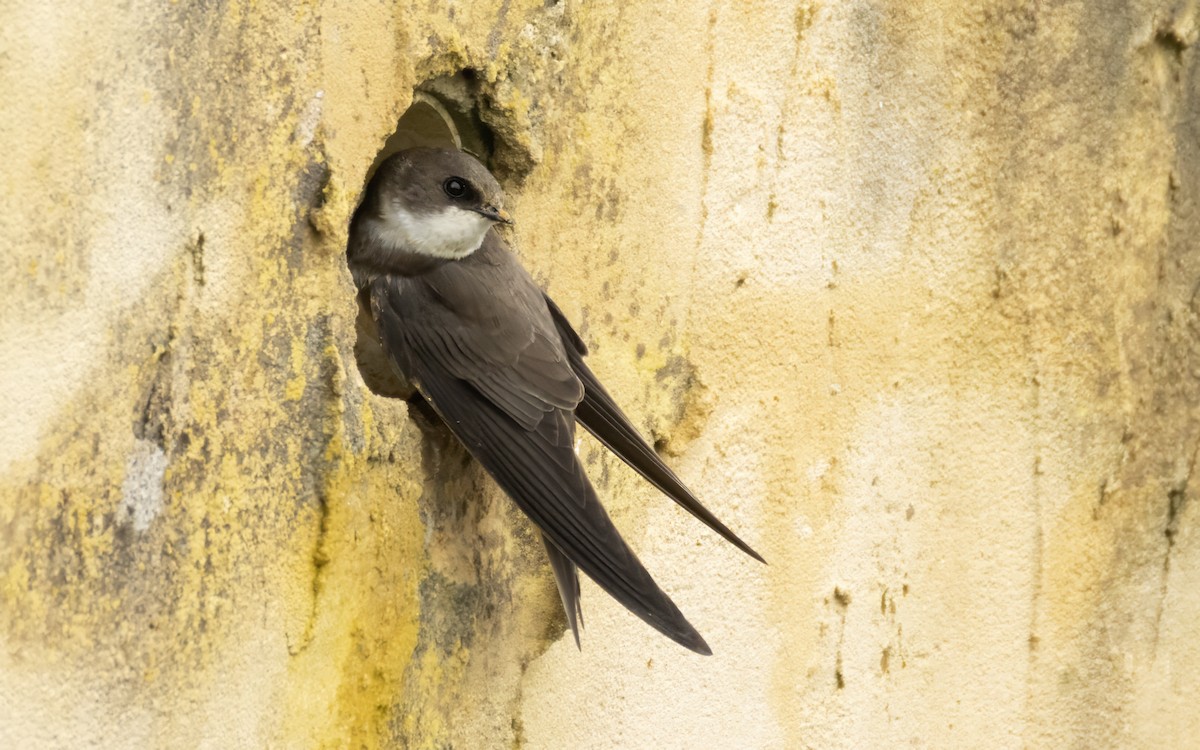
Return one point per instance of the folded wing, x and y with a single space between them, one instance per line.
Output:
601 416
507 393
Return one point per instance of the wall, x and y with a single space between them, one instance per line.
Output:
905 291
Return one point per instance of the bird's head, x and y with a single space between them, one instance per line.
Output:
435 202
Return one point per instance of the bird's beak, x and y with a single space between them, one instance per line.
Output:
495 214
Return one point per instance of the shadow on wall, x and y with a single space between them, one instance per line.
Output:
444 113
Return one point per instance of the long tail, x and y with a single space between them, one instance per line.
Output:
601 416
566 575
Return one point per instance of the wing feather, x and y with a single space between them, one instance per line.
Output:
601 416
566 577
544 478
496 372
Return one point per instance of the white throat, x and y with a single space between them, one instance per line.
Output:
451 233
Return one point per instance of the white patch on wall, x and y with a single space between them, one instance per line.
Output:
802 527
818 470
310 118
142 490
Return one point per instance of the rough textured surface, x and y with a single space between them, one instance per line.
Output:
907 291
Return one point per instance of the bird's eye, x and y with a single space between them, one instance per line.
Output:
454 187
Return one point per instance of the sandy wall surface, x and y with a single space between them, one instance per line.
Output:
907 292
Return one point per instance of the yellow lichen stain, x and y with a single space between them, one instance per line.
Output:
215 155
651 362
330 219
296 383
435 679
806 15
343 684
61 591
825 87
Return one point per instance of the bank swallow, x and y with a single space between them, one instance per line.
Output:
448 316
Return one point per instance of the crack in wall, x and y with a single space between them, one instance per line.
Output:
320 560
706 153
842 600
1177 500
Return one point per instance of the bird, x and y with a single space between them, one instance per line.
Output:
450 320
